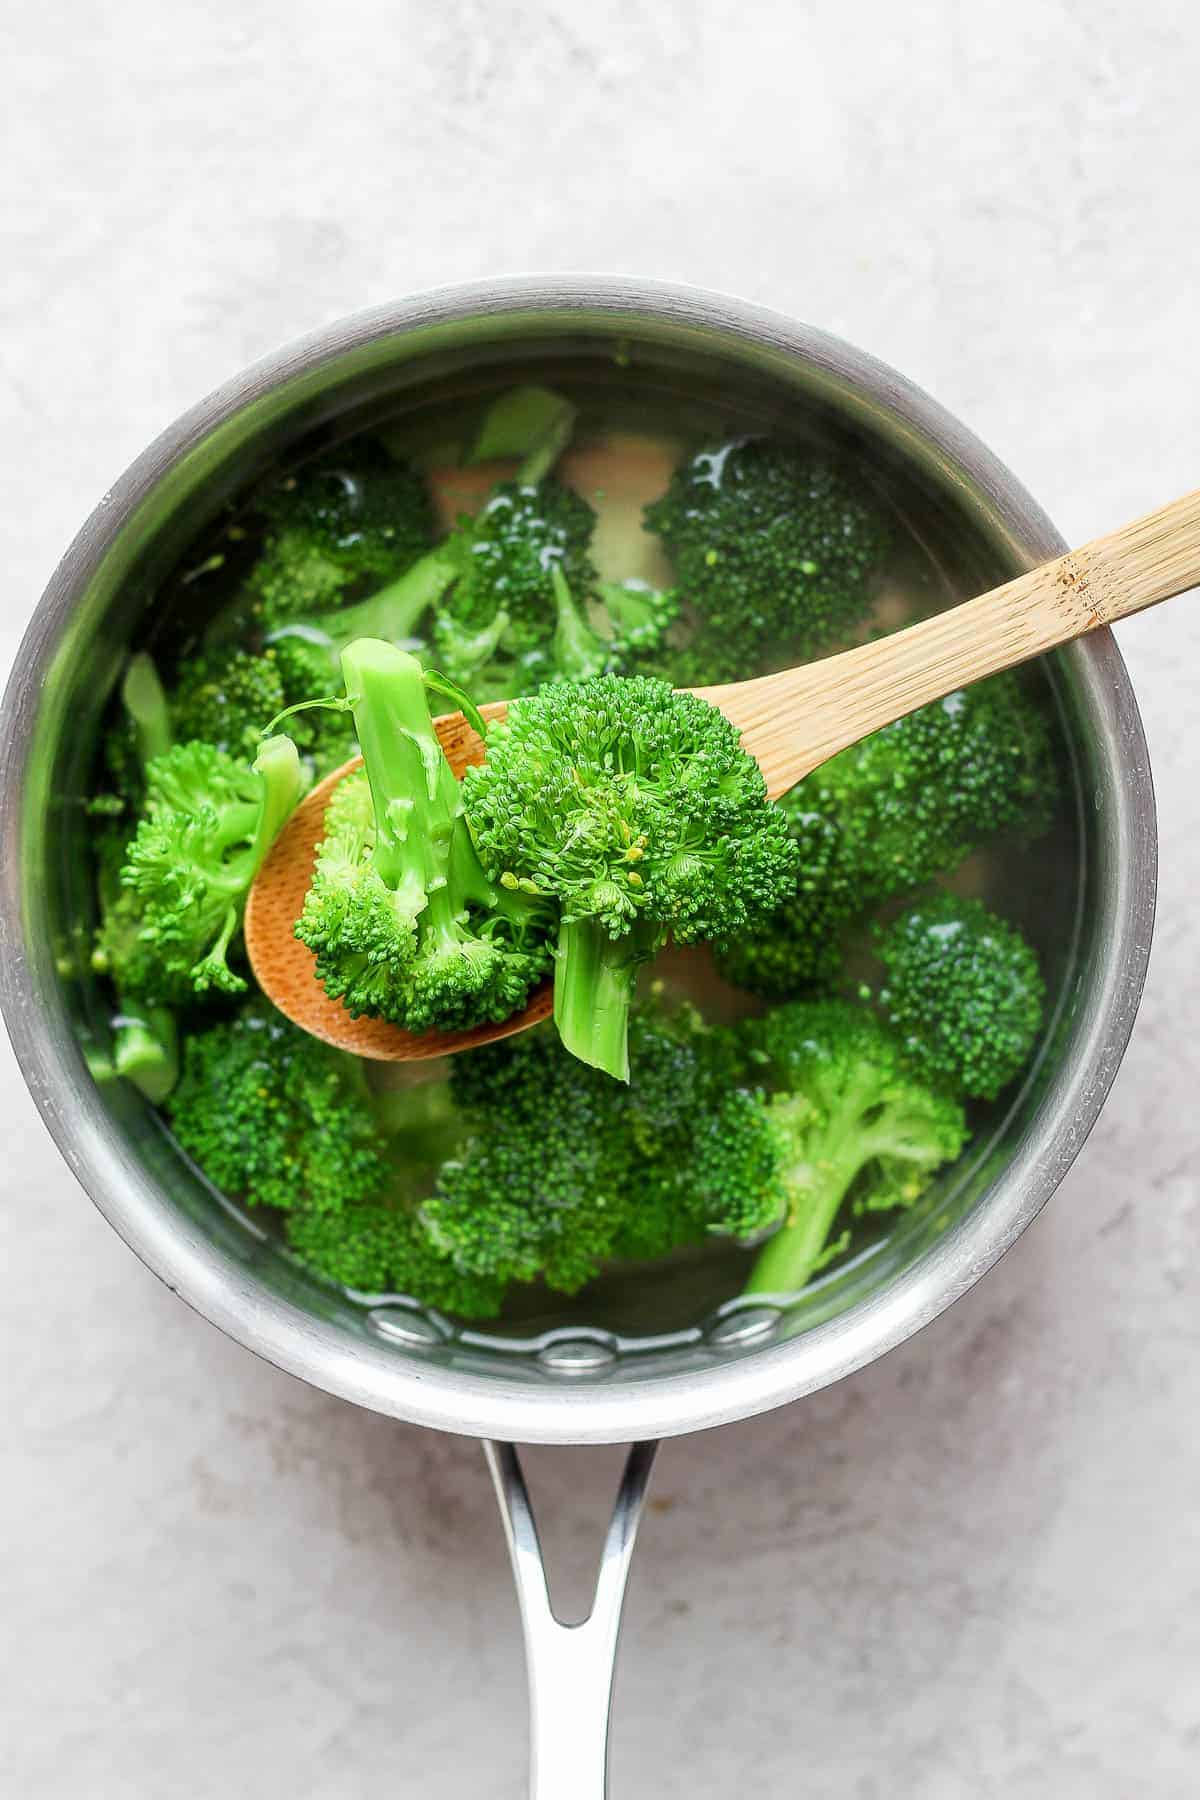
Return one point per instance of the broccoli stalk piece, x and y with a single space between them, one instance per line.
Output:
773 548
393 612
634 809
146 1049
579 652
141 731
637 615
462 652
963 992
146 707
208 823
531 423
404 924
852 1125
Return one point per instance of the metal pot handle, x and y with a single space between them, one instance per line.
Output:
570 1667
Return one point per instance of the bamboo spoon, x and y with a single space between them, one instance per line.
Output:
790 723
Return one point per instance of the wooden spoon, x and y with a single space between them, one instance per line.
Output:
790 723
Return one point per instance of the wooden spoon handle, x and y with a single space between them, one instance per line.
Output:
795 721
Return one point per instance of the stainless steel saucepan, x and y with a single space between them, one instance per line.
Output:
591 1383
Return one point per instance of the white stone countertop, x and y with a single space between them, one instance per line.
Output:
972 1570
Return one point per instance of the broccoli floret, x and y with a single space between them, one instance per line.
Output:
336 529
382 1247
562 1169
963 992
853 1125
276 1118
773 549
208 823
798 948
144 1046
639 616
508 622
488 582
636 811
891 813
225 698
533 1192
524 531
323 735
917 797
401 918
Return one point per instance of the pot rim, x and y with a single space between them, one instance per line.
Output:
613 1409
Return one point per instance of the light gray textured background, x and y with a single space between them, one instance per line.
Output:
973 1570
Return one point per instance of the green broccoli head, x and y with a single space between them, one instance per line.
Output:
226 697
797 948
963 992
521 535
773 548
630 621
639 616
307 672
380 1246
401 919
274 1117
334 530
563 1169
209 821
634 808
854 1126
891 813
917 797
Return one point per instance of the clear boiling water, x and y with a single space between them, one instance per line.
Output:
630 435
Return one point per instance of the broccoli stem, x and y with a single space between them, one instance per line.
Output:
528 422
594 980
815 1192
278 762
578 652
145 701
146 1050
413 790
397 609
463 653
